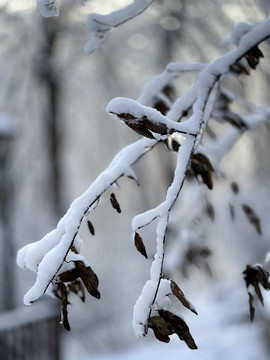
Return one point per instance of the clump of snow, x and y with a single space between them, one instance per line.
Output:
239 31
101 25
143 307
47 8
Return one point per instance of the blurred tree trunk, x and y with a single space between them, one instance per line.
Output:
48 75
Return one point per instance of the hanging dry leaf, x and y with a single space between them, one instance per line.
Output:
90 227
234 187
179 326
253 57
135 124
252 218
210 211
89 278
181 297
251 307
114 203
232 212
64 312
201 166
70 275
140 245
254 276
161 328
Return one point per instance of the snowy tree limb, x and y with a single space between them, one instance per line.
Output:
58 250
101 25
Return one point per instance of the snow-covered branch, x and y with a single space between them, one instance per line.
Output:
56 258
101 25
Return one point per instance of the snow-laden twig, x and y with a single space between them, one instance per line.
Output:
202 107
101 25
48 257
47 8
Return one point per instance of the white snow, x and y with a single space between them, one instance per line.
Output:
239 31
101 25
48 256
124 105
142 308
47 8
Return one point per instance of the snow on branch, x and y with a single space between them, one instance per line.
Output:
101 25
145 120
47 257
47 8
56 258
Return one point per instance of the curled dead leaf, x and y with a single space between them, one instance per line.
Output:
89 278
234 187
70 275
252 218
201 166
161 328
139 244
251 307
181 297
232 211
255 276
64 304
179 326
90 227
210 211
115 203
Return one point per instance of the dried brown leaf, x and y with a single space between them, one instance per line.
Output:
251 307
201 165
115 203
253 57
70 275
154 126
252 218
258 291
234 187
73 248
181 297
140 245
135 124
89 278
232 212
179 326
210 211
140 129
90 227
161 328
254 276
64 312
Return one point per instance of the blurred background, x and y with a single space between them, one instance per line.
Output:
56 138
